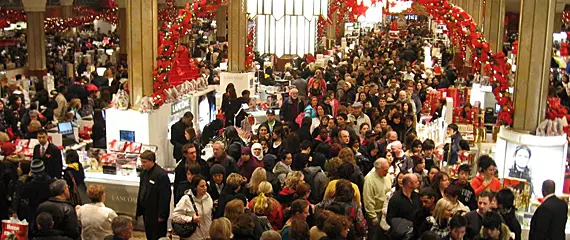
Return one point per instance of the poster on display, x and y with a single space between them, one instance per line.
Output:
177 111
206 110
528 160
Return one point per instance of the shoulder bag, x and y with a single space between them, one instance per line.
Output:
185 230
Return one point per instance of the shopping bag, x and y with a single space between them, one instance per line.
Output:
14 230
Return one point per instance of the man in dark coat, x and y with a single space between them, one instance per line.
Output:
178 134
153 201
63 213
45 228
222 158
291 107
191 163
77 90
453 148
549 219
271 122
35 191
49 154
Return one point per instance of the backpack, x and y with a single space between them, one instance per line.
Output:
265 223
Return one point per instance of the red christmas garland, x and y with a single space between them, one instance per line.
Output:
9 16
249 48
62 25
167 14
463 31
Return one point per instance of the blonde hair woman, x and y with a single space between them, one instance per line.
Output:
439 221
287 193
74 107
259 175
221 229
266 206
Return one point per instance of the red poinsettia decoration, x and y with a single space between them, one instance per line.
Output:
167 60
462 31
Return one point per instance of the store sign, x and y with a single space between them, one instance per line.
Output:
180 106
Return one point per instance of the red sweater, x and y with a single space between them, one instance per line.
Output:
477 184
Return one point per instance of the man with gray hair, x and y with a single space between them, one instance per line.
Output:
403 161
391 136
122 228
291 107
377 185
63 213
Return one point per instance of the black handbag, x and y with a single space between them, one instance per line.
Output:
186 230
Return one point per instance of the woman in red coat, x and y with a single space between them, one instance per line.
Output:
486 179
264 205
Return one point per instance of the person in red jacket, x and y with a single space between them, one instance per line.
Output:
486 179
264 205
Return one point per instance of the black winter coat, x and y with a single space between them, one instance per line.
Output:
64 217
153 201
50 234
178 139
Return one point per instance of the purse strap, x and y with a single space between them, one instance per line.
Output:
193 204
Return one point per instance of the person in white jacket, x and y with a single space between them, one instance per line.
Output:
95 218
184 211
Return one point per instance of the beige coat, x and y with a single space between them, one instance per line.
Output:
61 110
95 220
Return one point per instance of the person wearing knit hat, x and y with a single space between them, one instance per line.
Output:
216 184
37 166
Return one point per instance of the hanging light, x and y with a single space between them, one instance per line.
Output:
286 27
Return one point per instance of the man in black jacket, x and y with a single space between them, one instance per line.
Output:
35 191
44 223
475 217
63 213
49 154
153 201
178 134
190 164
222 158
549 219
467 194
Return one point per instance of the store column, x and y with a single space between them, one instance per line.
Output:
222 23
142 45
533 63
494 28
476 12
331 28
36 39
122 30
237 35
558 12
67 12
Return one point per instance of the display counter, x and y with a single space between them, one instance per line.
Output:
153 128
122 191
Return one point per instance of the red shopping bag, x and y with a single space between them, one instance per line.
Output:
14 230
